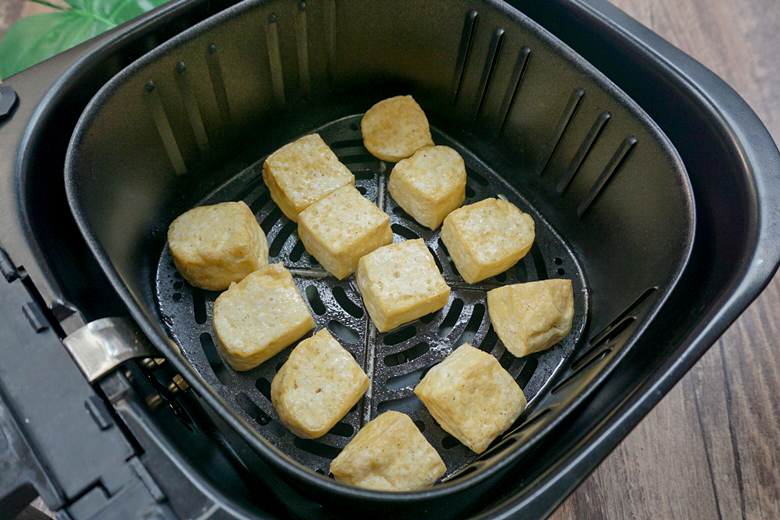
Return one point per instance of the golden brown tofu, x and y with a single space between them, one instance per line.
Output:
533 316
214 246
471 396
389 454
395 128
429 184
342 227
302 172
400 283
259 316
487 238
317 386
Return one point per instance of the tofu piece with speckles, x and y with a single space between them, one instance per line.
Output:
389 454
395 128
429 184
214 246
487 238
259 316
341 228
471 396
317 385
530 317
400 283
302 172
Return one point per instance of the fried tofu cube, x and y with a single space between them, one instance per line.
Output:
341 228
400 283
259 316
395 128
317 385
389 454
471 396
487 238
530 317
214 246
429 184
302 172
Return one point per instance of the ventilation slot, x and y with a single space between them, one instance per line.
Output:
394 338
313 295
464 49
160 118
346 303
275 59
615 163
560 128
527 372
281 239
584 150
407 355
514 86
252 409
451 319
218 83
199 305
404 232
601 355
604 341
406 380
342 429
343 332
487 72
405 405
472 326
215 361
317 448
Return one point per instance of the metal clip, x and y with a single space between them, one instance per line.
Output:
102 345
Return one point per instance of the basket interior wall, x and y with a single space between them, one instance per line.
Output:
193 118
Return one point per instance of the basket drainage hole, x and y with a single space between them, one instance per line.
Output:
252 409
353 127
449 442
263 385
176 296
420 425
316 448
314 300
407 405
210 349
344 332
527 372
558 261
397 337
472 326
451 319
342 429
560 271
348 305
178 285
405 380
406 355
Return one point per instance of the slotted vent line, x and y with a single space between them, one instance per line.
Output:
494 51
615 163
514 86
190 101
302 41
466 39
563 123
218 82
275 59
160 118
370 355
582 153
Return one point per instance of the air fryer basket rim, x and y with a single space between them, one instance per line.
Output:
214 400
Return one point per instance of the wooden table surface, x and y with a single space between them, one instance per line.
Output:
711 448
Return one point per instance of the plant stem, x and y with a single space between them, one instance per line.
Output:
49 4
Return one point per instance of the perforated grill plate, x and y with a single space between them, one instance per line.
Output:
395 361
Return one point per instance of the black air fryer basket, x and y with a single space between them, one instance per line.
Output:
660 233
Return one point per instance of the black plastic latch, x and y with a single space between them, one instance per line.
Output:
8 99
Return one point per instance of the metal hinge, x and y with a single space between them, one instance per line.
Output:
100 346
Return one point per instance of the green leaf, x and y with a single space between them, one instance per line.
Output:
35 38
